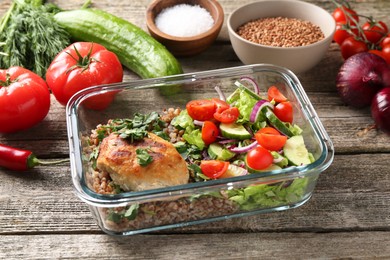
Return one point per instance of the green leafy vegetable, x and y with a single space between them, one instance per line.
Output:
258 196
143 157
30 37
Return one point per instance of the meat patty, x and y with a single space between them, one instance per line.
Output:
118 157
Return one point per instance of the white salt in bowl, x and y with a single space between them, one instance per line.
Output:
297 59
185 45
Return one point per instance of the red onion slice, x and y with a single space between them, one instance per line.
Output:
198 123
220 93
244 149
252 82
257 109
279 159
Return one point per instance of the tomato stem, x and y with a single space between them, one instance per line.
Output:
7 81
82 62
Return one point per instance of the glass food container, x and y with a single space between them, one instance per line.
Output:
133 212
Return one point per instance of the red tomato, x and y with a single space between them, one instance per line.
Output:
386 53
270 138
275 94
375 31
259 158
343 14
383 55
385 41
284 111
201 109
213 168
82 65
351 46
343 31
24 99
209 132
220 104
227 116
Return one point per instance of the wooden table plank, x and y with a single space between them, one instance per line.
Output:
343 245
347 217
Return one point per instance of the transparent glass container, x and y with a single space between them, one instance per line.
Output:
130 213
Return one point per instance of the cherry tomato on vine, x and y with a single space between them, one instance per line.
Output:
385 41
82 65
213 168
24 99
227 116
210 132
343 31
344 14
259 158
284 111
351 46
375 31
201 109
270 138
383 55
386 53
275 94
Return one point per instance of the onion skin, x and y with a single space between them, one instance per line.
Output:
361 77
380 110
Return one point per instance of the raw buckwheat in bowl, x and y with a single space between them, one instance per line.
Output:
289 33
143 164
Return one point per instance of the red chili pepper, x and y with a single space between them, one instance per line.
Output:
21 160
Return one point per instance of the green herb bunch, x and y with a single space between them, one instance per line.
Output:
30 37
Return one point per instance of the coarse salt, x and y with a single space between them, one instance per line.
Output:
184 20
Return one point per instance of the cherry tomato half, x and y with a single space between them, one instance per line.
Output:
344 14
270 138
213 168
275 94
351 46
259 158
227 116
201 109
375 31
220 104
210 132
284 111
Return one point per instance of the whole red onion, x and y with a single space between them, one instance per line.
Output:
380 110
361 77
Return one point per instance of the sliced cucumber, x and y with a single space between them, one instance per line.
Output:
217 151
276 122
234 171
295 151
234 131
270 168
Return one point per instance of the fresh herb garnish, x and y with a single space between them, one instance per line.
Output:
143 157
30 37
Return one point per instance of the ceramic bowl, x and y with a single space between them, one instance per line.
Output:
298 59
185 46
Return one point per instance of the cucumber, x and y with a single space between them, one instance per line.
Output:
234 131
136 49
276 122
233 171
272 167
217 151
296 151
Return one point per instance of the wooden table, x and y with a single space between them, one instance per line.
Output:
347 217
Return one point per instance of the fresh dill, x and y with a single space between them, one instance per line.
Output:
30 37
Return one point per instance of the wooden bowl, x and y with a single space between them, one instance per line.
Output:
185 46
